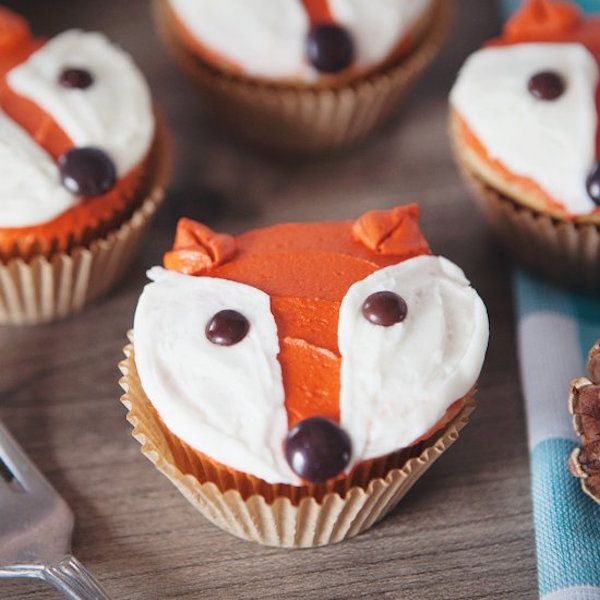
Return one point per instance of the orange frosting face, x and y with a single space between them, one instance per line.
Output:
306 269
16 45
540 21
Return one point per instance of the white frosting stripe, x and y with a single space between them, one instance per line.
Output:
30 185
114 114
378 26
397 382
551 142
227 402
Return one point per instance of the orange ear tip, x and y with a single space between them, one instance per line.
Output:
198 248
538 20
392 232
14 29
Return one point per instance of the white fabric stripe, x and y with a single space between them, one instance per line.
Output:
550 357
575 593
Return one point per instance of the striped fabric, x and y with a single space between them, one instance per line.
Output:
555 331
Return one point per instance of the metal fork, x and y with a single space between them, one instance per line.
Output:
36 526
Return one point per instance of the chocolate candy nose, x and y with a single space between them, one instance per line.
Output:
317 449
385 309
330 48
87 171
547 85
76 78
593 184
227 327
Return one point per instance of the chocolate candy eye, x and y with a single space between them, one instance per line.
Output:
330 48
593 184
385 309
227 327
317 449
547 85
87 171
76 78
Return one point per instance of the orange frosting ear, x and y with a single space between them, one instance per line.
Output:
13 30
393 232
540 20
198 248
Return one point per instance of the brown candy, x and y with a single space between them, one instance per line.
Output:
547 85
227 327
385 309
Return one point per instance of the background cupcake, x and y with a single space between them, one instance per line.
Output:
525 129
303 75
83 164
281 381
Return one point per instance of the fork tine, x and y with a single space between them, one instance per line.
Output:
25 472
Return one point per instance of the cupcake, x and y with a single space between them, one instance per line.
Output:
83 164
524 124
584 404
304 75
295 381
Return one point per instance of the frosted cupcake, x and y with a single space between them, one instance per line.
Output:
295 381
82 169
303 74
525 129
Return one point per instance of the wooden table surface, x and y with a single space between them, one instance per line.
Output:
465 531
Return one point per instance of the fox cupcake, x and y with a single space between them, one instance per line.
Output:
82 168
524 116
303 74
295 381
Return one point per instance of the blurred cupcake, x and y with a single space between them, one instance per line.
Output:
304 75
525 131
83 164
295 381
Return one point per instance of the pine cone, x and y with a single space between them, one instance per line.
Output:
584 404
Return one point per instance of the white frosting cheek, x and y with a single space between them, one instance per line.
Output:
114 113
377 26
550 142
397 382
30 186
227 402
264 38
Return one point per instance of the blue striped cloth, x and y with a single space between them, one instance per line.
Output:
556 328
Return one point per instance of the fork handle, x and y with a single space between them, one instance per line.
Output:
71 578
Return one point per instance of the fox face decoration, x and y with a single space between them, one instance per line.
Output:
300 40
526 109
76 123
294 352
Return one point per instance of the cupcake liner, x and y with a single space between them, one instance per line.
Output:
280 520
567 252
44 289
307 118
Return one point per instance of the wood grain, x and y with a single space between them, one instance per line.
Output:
465 531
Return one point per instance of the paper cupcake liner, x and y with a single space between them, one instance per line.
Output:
44 289
304 118
566 252
280 520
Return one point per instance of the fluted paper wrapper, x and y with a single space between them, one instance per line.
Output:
280 520
307 119
566 252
